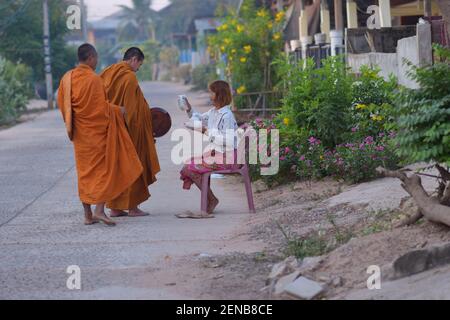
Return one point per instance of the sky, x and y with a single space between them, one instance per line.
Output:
98 9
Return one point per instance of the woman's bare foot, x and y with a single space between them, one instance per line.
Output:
212 204
117 213
136 212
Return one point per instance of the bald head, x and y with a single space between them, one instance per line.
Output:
134 57
88 55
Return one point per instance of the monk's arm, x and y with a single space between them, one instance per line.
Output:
132 98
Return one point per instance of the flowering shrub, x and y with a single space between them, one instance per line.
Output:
246 43
373 110
317 101
353 161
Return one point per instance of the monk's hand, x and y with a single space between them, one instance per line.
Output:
123 111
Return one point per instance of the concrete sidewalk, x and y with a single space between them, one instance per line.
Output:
41 229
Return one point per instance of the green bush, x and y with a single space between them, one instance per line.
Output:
424 122
14 90
202 75
318 100
373 110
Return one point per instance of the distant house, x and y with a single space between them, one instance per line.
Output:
105 31
199 30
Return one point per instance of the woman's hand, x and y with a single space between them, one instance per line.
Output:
188 106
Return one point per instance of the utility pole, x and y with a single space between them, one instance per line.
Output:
47 58
84 21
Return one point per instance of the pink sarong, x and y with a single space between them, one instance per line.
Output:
209 162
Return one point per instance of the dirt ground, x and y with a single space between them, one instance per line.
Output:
299 210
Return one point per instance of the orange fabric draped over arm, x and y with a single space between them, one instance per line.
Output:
123 89
106 160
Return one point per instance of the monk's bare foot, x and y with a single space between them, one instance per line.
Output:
137 213
90 221
212 204
117 213
101 217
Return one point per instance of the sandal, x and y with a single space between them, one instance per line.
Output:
191 215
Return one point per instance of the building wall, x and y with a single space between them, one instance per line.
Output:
416 49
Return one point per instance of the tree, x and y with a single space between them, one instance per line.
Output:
424 136
444 5
177 17
138 21
21 33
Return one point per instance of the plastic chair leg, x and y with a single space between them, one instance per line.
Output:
248 189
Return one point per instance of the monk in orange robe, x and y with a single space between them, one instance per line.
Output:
123 89
106 160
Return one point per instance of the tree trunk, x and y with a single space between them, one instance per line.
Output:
430 207
444 5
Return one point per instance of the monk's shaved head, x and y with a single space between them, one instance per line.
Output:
134 52
86 51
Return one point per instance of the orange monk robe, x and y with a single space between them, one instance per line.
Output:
106 160
123 89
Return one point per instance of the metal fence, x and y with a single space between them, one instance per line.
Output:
316 52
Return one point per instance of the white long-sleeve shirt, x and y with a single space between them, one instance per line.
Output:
222 127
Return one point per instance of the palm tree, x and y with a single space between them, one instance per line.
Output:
138 21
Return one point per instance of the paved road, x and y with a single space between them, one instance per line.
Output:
41 230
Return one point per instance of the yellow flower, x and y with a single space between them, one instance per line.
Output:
377 117
261 13
222 48
286 121
233 51
321 157
248 49
360 106
241 90
243 59
240 28
277 36
279 16
270 25
227 40
223 27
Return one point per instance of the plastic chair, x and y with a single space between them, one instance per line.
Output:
243 171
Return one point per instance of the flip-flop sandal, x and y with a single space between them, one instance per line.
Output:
194 216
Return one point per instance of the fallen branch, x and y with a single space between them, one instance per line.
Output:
430 207
410 219
445 175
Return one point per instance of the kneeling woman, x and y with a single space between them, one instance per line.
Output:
220 127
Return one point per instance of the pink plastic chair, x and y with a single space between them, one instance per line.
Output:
243 171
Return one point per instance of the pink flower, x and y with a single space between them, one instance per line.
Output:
379 148
287 150
369 140
302 158
355 129
313 141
